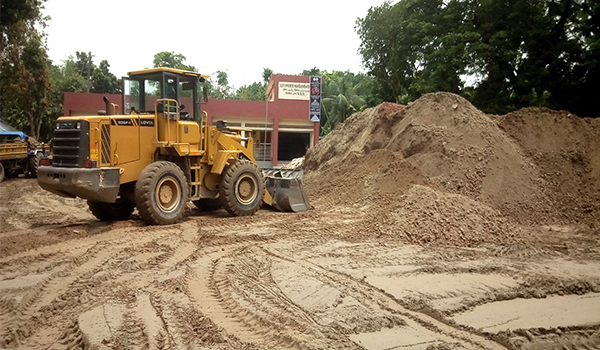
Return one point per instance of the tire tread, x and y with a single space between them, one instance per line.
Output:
226 187
144 192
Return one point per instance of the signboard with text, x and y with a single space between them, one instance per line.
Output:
315 99
294 91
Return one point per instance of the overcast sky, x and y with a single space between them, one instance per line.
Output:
239 37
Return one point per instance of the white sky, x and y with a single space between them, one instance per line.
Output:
239 37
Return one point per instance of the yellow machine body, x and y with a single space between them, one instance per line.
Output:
112 157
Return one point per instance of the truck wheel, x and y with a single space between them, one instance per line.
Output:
242 188
111 211
161 193
1 172
34 164
208 204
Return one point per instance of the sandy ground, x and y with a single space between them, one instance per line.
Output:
435 226
321 279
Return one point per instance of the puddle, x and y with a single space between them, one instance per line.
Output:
551 312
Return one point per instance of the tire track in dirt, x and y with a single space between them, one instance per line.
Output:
49 298
207 297
72 288
377 299
235 290
135 266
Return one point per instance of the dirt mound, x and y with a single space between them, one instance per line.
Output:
425 215
443 142
566 150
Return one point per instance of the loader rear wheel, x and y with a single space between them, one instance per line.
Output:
242 188
208 204
161 193
111 211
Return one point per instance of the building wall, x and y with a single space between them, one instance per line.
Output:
284 111
87 103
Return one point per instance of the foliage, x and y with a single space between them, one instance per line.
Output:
172 60
502 55
313 72
103 81
416 47
76 75
24 83
85 67
344 93
253 92
220 90
31 87
267 72
256 90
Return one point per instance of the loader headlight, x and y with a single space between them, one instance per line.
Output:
78 125
58 125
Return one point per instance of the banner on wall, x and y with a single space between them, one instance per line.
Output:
293 91
315 99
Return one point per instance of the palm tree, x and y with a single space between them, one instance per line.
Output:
341 99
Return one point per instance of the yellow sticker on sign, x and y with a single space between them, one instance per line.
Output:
94 154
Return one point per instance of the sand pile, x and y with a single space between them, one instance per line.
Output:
464 156
566 150
425 215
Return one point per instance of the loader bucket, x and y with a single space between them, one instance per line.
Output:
285 193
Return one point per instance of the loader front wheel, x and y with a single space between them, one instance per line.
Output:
111 211
241 188
161 193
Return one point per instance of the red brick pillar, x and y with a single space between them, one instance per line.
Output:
275 141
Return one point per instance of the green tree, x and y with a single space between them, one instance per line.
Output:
222 89
253 92
24 83
340 98
172 60
66 77
416 46
514 53
103 81
267 72
313 72
85 66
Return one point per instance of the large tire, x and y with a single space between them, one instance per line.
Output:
161 193
242 188
1 172
111 211
208 204
34 164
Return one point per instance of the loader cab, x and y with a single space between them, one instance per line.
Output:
141 90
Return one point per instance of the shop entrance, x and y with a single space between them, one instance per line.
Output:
292 145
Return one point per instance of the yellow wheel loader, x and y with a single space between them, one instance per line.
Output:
157 155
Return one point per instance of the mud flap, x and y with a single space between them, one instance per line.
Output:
286 194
